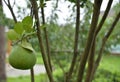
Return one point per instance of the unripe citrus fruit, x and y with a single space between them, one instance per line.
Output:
22 58
12 35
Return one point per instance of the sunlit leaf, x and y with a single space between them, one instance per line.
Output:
27 23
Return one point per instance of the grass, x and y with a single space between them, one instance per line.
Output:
38 78
110 63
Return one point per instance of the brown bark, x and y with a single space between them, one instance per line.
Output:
104 17
90 63
68 76
97 5
91 55
2 50
2 55
103 44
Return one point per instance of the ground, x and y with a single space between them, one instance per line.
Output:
12 72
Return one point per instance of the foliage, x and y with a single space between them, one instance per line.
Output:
106 76
108 70
59 77
110 63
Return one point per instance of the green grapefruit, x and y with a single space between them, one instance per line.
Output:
12 35
22 58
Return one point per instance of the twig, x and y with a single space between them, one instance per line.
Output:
46 38
11 10
75 42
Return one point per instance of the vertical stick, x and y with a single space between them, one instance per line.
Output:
46 38
97 5
32 75
44 56
69 74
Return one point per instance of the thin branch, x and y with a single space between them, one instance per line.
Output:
75 42
113 25
94 22
47 40
103 44
44 56
104 17
11 10
91 55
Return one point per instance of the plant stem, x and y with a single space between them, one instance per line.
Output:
47 40
75 42
44 56
85 55
103 44
91 55
32 75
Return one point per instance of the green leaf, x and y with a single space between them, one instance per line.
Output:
12 35
27 23
27 46
19 28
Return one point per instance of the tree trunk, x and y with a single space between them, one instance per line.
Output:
2 55
2 51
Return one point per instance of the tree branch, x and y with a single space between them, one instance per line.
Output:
46 37
11 9
90 62
104 17
113 25
44 56
83 61
75 42
103 44
91 55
